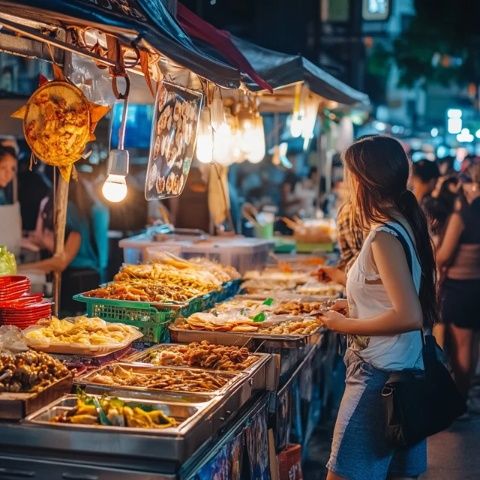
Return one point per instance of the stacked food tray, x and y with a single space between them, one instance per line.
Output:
198 411
294 327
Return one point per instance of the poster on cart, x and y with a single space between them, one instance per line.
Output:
172 145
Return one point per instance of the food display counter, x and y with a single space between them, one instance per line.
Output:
238 382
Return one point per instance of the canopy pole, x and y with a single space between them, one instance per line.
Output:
60 206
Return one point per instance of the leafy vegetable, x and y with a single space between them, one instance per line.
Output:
260 317
8 265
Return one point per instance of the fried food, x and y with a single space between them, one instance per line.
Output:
161 290
307 326
57 123
89 332
203 355
29 371
208 322
159 379
112 411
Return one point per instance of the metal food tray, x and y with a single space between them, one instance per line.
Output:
287 297
92 386
263 372
172 443
15 406
180 335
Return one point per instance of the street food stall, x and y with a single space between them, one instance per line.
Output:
206 366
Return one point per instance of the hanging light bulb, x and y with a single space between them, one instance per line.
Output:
115 187
256 140
236 151
217 110
296 124
204 149
222 145
296 120
309 120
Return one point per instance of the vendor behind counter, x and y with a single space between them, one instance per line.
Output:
86 230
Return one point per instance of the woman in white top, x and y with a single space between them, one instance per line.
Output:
389 301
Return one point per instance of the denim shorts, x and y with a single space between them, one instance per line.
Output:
359 449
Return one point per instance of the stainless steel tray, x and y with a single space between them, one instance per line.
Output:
184 413
180 335
143 369
264 371
171 444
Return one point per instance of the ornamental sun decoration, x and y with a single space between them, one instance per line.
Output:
172 144
59 121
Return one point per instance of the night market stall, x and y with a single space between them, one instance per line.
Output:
104 395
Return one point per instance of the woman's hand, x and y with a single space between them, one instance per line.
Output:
334 321
331 274
340 306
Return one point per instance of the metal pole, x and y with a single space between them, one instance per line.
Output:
60 206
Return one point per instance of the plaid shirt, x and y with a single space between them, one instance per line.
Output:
350 236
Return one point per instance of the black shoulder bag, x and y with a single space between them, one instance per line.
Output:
420 403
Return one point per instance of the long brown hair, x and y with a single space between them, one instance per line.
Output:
381 169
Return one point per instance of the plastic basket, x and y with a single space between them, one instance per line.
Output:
153 323
229 289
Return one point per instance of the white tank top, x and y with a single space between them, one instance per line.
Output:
393 352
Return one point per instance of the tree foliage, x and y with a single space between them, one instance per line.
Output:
441 44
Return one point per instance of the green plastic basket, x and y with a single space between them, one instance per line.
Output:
153 323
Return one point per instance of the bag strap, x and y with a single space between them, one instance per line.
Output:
408 253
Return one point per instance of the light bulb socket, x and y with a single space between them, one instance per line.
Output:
118 162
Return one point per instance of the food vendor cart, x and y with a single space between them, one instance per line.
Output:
233 431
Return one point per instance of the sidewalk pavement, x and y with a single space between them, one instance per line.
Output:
452 455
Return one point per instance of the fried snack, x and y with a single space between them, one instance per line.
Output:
29 371
306 326
57 123
115 413
154 291
297 307
209 322
79 330
162 379
203 355
199 269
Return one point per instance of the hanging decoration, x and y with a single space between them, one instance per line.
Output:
174 133
59 121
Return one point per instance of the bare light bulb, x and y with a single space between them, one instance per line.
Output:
296 125
115 188
204 148
222 145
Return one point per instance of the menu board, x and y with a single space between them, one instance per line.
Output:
172 144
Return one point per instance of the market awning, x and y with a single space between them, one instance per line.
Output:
280 69
220 40
149 19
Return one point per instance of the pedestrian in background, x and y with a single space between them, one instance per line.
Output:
458 258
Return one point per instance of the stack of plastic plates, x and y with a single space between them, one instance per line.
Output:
25 311
13 287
